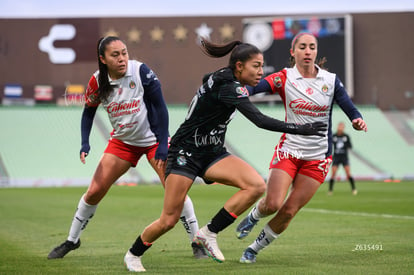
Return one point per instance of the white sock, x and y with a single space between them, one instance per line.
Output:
266 237
255 213
82 215
189 219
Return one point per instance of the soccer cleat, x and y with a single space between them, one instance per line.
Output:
354 192
249 256
133 263
198 250
245 227
63 249
208 240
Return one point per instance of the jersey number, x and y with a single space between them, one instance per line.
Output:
324 166
192 107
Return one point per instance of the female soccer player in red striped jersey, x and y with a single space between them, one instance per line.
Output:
130 92
299 162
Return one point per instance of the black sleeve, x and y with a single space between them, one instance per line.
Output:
263 121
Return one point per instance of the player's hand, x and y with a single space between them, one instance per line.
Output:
313 129
359 124
84 151
161 164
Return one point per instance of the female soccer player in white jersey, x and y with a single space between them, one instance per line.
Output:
197 149
131 94
299 162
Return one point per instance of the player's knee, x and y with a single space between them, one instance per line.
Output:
272 206
258 188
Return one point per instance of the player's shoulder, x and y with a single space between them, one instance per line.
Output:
223 74
326 75
223 79
133 62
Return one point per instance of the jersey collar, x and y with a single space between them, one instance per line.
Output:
297 75
118 81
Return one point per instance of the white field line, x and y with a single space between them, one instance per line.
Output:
360 214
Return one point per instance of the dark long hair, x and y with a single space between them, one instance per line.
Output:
239 51
104 86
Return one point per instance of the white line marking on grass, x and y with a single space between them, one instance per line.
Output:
361 214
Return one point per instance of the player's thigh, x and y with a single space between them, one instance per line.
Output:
234 171
159 170
302 191
278 185
109 169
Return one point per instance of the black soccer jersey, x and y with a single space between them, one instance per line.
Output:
341 144
210 112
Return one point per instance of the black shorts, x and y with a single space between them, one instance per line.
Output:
338 160
192 164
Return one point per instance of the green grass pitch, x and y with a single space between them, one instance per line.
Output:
370 233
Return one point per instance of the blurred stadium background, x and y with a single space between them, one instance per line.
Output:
47 61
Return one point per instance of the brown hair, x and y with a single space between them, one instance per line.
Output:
320 62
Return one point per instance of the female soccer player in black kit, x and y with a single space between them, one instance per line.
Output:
197 149
341 142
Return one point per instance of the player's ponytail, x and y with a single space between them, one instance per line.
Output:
239 51
103 81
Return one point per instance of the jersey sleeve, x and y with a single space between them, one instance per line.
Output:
233 93
157 109
262 87
342 99
271 84
277 82
91 93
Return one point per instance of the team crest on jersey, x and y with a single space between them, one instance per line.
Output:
277 81
92 98
181 160
132 84
324 88
242 91
309 91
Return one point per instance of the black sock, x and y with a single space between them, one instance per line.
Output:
331 184
138 248
220 221
352 182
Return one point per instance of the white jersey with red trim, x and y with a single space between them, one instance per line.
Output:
125 106
306 100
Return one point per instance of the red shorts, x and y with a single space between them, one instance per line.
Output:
129 152
316 169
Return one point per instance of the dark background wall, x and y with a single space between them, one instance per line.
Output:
383 53
384 59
